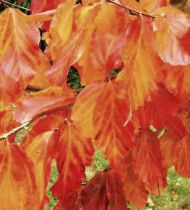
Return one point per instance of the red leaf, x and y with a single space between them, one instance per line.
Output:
102 111
44 5
20 46
145 158
10 90
73 153
139 77
115 192
17 181
44 102
134 188
172 37
104 191
93 196
37 150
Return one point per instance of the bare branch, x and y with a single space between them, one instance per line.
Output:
14 130
25 124
132 11
14 5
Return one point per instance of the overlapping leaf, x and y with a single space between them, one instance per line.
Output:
65 44
17 181
42 103
104 191
104 43
172 34
152 5
107 113
145 160
37 150
170 147
44 5
20 46
134 188
75 152
142 65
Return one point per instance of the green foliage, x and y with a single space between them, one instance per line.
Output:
175 197
73 78
53 179
177 194
99 164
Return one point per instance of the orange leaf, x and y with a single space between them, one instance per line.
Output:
68 55
83 110
114 133
102 112
37 150
93 196
44 102
134 188
172 36
44 5
65 44
20 46
140 77
10 90
115 192
176 153
73 153
70 201
104 191
104 41
17 181
145 158
152 5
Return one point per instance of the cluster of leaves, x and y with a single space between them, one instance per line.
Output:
137 116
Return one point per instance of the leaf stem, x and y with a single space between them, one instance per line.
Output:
132 11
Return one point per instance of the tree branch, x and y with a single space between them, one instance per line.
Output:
14 130
14 5
132 11
43 113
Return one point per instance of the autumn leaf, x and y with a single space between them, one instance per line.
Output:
65 44
37 150
170 147
93 196
135 191
140 77
115 192
104 191
17 181
10 90
104 41
152 5
106 114
68 202
145 159
171 33
83 110
114 133
74 154
20 46
39 104
44 5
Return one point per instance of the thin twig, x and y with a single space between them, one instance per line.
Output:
14 130
132 11
14 5
25 124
